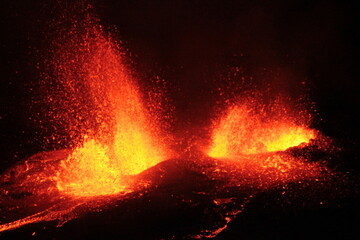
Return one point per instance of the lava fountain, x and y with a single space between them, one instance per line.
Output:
251 151
250 127
96 103
115 148
122 138
255 137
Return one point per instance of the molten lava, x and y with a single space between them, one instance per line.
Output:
119 136
244 130
88 171
97 105
94 101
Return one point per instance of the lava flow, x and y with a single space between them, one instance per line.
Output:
96 103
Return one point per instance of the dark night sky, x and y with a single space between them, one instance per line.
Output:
192 45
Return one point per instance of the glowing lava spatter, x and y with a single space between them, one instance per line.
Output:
119 136
94 100
247 130
249 149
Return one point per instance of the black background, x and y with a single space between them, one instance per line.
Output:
192 45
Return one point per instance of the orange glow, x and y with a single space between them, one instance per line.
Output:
243 131
122 137
111 133
88 171
264 170
94 106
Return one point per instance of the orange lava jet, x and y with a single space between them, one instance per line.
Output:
249 149
253 137
245 130
95 101
122 137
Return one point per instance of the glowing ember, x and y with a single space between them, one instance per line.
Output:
266 170
244 131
